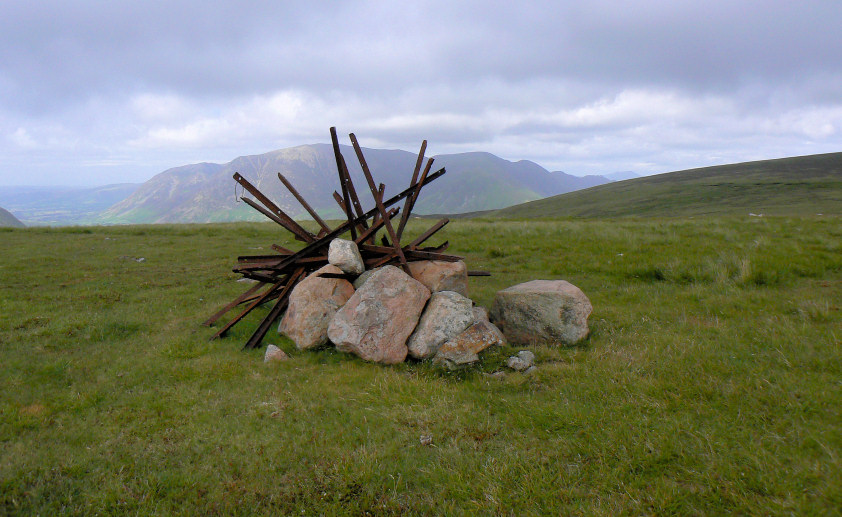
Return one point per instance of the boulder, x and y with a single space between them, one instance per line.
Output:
522 362
463 349
377 320
480 314
360 280
542 311
273 353
439 275
346 256
446 316
312 304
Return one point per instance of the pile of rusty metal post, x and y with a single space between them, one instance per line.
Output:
278 273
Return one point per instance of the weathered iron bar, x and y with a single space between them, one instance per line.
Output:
412 255
249 258
437 249
387 253
428 255
345 196
373 187
410 201
291 225
303 202
255 266
271 216
307 260
352 192
344 227
281 249
429 233
260 277
237 301
338 198
341 204
276 311
344 276
380 190
412 181
256 296
376 226
251 306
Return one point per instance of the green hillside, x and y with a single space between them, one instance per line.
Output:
7 219
803 185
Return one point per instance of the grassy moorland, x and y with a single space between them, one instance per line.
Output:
711 383
801 185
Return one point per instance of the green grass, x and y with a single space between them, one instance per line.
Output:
799 186
711 383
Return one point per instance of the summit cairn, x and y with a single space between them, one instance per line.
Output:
359 287
313 288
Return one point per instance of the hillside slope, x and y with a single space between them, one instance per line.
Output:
206 192
8 220
803 185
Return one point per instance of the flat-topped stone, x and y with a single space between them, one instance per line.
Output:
438 275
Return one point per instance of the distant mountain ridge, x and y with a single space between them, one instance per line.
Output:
205 192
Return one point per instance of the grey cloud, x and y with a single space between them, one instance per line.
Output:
571 85
55 50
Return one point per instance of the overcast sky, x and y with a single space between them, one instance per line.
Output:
97 92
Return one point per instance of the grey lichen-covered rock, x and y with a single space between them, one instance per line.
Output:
439 275
542 311
273 353
447 315
480 314
377 320
523 361
360 280
346 256
464 348
312 304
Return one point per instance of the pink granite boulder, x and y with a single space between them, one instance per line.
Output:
377 320
439 275
312 305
